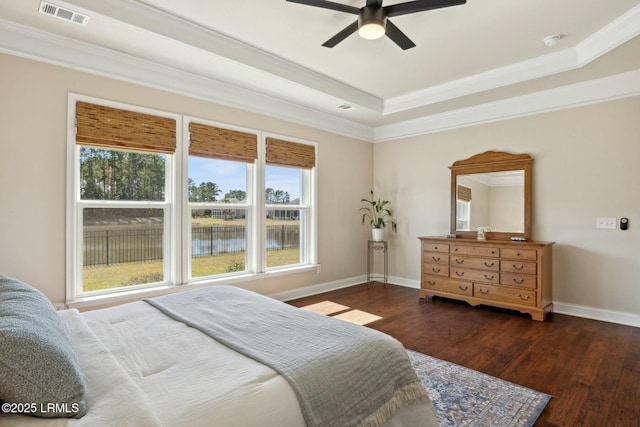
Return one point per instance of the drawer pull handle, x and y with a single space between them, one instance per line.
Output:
455 250
463 288
517 253
430 283
489 265
493 252
518 268
524 297
436 259
519 282
459 273
484 291
436 248
488 278
459 261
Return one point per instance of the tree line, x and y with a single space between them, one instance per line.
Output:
126 175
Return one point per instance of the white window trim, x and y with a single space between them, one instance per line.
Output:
177 207
310 204
75 204
251 204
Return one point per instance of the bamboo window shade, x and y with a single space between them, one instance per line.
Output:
219 143
292 154
464 193
107 127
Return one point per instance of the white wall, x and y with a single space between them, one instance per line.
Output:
587 165
33 116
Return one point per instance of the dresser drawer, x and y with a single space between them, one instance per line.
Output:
475 275
523 280
435 247
524 254
475 250
450 286
491 264
435 258
504 294
516 266
436 269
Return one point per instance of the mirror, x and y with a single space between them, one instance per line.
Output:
492 190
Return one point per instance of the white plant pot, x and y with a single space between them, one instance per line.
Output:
377 234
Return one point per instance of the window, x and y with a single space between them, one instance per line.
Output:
463 208
220 168
122 198
157 199
288 202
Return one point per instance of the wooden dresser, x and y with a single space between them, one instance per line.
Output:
500 273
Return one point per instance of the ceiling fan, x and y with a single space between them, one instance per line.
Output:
372 20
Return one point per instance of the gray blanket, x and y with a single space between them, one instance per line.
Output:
343 374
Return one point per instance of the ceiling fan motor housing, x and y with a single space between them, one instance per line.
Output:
372 16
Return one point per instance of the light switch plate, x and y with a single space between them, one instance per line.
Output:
606 223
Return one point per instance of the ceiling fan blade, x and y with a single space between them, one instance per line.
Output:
398 36
350 29
374 3
328 5
419 6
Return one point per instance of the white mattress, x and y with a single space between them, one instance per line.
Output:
143 369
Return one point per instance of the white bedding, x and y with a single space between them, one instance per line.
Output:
142 368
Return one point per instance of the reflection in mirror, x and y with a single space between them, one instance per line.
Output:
495 200
491 190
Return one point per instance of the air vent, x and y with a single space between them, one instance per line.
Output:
63 13
346 107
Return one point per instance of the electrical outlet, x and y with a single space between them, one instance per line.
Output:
606 223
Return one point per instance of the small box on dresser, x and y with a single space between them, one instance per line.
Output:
499 273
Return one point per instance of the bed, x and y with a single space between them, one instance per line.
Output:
220 356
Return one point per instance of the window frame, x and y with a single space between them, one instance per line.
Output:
75 205
308 203
463 206
177 227
249 205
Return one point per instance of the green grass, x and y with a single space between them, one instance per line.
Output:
102 277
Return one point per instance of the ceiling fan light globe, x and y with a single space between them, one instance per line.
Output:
372 22
371 30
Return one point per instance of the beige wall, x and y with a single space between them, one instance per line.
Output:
587 165
33 115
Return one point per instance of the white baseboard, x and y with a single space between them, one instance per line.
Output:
621 317
404 282
318 289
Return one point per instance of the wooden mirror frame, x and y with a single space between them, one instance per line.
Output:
493 161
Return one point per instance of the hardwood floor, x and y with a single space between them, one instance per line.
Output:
591 368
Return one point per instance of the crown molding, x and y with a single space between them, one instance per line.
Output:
31 43
24 41
606 39
579 94
159 22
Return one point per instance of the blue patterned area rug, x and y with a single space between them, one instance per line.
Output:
464 397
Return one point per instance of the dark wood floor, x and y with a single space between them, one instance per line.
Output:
591 368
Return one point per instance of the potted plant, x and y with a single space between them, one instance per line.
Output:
379 214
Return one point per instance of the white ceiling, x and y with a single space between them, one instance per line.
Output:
266 56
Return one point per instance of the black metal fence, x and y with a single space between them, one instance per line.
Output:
115 246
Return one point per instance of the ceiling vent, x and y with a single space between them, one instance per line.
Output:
63 13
